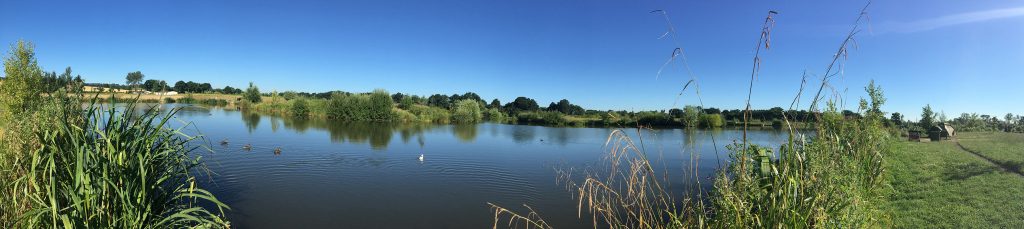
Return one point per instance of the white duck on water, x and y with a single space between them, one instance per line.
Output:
421 157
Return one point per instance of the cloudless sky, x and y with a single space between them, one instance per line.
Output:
958 56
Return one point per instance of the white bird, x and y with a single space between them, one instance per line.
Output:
421 157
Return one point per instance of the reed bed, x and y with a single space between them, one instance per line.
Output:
106 167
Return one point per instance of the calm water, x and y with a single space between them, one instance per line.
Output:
367 175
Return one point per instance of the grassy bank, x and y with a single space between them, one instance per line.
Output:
938 185
1007 149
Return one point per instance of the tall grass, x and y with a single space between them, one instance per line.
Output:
105 168
830 179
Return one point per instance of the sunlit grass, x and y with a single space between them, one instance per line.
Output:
1004 148
938 185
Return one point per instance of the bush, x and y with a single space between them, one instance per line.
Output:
252 94
376 106
711 120
380 106
552 118
655 119
467 111
300 108
169 100
494 115
430 114
405 116
20 91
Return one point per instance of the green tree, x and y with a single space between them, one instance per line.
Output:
494 104
877 100
252 94
134 78
20 91
522 104
467 111
927 117
1009 121
897 119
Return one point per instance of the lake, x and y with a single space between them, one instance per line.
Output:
368 175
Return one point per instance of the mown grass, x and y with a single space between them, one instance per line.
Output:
1004 148
938 185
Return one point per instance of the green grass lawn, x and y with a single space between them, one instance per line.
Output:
1004 148
938 185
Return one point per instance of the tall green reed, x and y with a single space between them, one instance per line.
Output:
116 168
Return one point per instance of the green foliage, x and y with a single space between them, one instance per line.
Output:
19 92
927 117
405 116
467 111
652 118
193 87
155 85
134 78
521 104
376 106
494 115
380 105
430 114
691 116
114 169
552 118
252 94
300 108
406 102
711 121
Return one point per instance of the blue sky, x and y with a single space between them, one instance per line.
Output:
958 56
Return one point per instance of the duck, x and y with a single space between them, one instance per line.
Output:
277 151
421 157
247 147
224 142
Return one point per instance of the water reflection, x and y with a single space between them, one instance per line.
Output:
251 119
377 135
465 132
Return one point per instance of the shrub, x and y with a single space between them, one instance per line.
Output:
404 116
300 108
711 120
467 111
169 100
20 91
252 94
654 119
379 106
494 115
430 114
